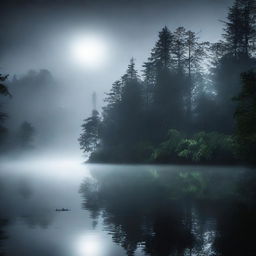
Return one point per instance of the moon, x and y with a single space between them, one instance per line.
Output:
89 51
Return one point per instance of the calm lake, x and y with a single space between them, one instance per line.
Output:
116 210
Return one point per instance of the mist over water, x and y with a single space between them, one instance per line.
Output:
123 210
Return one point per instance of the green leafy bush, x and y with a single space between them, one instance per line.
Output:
207 147
166 151
202 147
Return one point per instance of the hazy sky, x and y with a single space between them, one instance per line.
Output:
39 35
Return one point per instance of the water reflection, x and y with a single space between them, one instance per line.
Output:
3 236
89 245
127 210
164 212
25 189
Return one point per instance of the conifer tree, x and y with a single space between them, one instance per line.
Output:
149 74
239 31
89 138
162 51
115 94
179 48
195 53
246 118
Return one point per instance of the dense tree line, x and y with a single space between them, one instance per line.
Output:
184 99
245 116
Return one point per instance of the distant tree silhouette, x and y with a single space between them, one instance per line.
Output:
5 92
89 138
3 130
26 135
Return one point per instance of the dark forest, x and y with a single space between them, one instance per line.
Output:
194 102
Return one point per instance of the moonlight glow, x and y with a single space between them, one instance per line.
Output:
89 51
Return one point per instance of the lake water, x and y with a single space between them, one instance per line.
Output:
118 210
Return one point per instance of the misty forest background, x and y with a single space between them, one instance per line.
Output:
194 102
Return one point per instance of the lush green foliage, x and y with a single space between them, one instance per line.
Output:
200 148
167 151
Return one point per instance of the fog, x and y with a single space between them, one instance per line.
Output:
127 127
38 35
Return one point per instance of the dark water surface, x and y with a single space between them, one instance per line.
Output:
118 210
